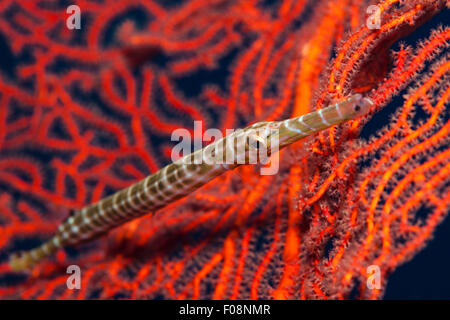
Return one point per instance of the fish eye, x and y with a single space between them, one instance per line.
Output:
357 107
256 141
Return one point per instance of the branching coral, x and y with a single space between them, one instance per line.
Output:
86 113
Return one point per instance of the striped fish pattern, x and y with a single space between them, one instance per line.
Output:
189 173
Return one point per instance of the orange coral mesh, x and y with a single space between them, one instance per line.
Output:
84 113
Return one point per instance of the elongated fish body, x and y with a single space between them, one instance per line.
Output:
189 173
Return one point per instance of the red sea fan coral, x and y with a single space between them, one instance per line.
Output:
86 112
